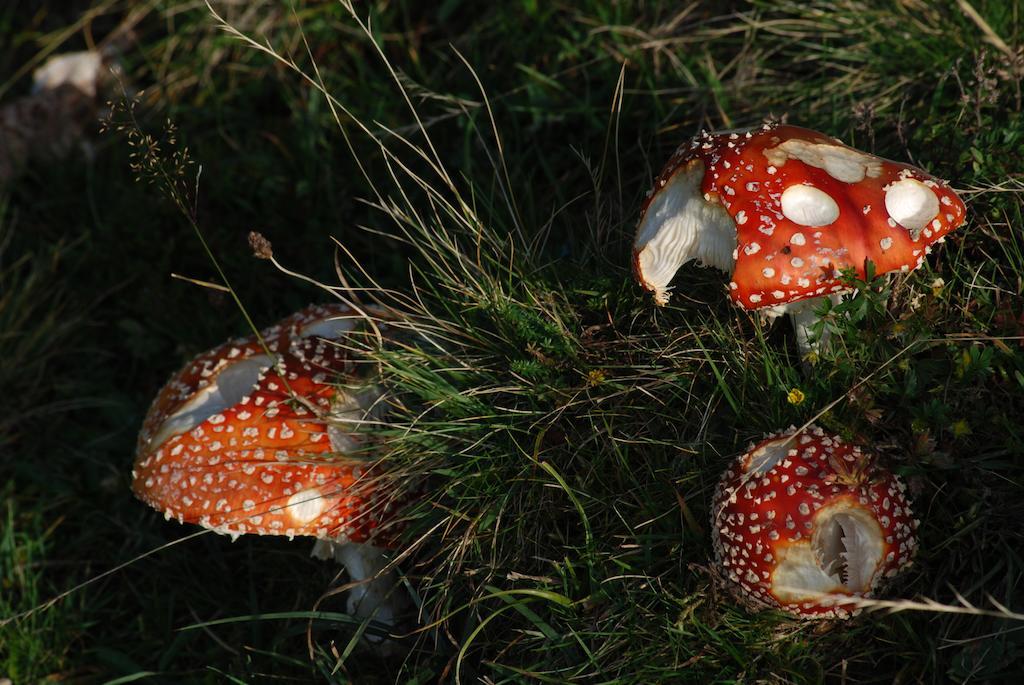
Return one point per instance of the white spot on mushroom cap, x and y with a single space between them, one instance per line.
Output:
305 505
233 382
911 204
767 456
328 328
809 206
841 163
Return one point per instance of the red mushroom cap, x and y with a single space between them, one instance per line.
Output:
220 376
246 451
794 207
806 514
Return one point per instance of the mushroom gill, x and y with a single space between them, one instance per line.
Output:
848 547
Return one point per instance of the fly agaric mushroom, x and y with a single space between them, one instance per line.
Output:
783 210
803 519
241 441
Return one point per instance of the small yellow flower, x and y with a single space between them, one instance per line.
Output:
960 428
796 396
595 377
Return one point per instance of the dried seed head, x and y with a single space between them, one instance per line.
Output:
261 247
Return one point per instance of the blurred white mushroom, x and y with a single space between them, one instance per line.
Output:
59 114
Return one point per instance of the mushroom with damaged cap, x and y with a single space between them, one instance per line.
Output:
804 519
242 441
784 210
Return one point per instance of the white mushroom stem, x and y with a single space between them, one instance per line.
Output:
375 593
803 314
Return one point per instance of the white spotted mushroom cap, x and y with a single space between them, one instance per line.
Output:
784 209
221 376
803 519
240 441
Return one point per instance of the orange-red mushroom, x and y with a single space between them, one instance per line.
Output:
783 210
252 438
257 465
805 519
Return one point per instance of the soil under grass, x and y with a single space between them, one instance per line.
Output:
483 167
